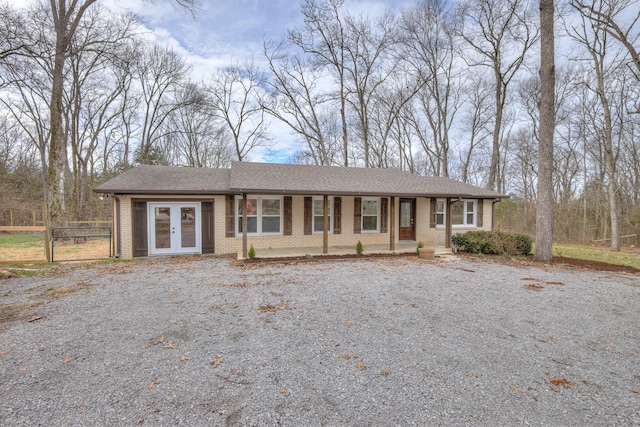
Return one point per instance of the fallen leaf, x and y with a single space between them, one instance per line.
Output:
556 389
561 381
171 345
234 371
284 391
159 340
361 366
24 369
516 388
184 358
153 384
2 353
217 361
534 287
635 391
385 373
221 411
67 360
554 283
471 374
346 356
34 318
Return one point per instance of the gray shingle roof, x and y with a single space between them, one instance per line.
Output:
147 179
269 178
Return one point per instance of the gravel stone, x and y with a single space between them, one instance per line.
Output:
192 341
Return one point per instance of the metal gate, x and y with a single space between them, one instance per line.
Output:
81 243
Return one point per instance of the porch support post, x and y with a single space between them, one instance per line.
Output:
447 238
392 225
244 225
325 225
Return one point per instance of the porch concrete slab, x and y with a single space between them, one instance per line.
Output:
402 247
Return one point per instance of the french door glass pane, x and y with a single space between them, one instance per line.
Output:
188 227
163 227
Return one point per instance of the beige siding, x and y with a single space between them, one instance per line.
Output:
225 245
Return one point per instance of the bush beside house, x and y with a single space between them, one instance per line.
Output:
493 242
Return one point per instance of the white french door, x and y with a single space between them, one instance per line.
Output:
174 228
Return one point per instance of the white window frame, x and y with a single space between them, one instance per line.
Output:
259 215
465 213
362 215
313 214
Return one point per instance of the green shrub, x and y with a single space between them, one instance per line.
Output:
252 252
359 248
420 245
493 242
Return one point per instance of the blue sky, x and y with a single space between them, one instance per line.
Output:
232 31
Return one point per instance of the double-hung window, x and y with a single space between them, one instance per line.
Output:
370 215
264 215
463 213
318 214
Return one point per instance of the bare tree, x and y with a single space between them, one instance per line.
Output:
323 38
237 95
298 100
198 138
500 33
428 40
66 18
544 212
368 65
610 15
475 122
604 65
160 72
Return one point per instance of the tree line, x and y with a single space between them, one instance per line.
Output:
436 88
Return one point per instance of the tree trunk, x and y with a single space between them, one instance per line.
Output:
544 213
57 143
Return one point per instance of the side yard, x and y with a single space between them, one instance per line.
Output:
380 341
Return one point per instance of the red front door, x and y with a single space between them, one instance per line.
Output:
407 219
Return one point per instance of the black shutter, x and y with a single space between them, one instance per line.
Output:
140 234
480 208
337 215
384 214
207 227
357 215
433 214
288 214
308 215
230 215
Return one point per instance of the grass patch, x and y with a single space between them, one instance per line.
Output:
22 240
593 253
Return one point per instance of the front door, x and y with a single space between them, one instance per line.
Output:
407 219
174 228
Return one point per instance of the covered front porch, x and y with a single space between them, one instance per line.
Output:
405 246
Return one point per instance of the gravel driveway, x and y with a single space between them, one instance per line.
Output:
391 341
